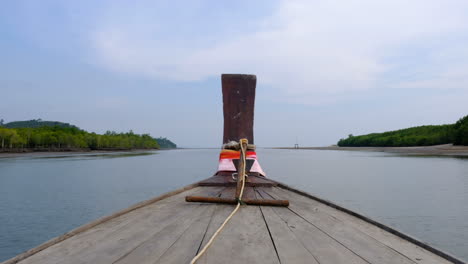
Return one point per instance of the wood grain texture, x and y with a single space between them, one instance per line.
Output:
111 238
92 224
187 246
355 232
245 238
238 106
370 221
150 250
288 246
252 181
368 248
169 230
324 248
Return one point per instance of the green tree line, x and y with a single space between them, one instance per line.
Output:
415 136
34 123
71 137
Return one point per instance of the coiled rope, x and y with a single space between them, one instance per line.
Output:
239 201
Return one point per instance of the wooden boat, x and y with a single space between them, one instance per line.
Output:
167 229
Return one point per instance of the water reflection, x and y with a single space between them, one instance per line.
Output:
111 155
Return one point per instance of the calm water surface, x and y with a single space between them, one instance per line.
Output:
43 197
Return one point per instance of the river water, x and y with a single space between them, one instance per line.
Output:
43 197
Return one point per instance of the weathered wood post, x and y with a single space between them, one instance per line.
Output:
238 106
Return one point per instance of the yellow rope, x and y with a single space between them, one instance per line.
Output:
233 212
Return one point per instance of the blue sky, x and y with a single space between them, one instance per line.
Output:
325 69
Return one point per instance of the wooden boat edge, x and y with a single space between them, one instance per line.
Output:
139 205
94 223
369 220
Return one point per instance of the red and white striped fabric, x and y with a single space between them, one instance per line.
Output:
226 164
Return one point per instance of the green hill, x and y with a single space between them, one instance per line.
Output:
415 136
165 143
36 123
38 135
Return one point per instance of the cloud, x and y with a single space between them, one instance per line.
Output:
310 52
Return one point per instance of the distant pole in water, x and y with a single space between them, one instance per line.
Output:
238 106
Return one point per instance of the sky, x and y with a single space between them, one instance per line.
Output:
325 69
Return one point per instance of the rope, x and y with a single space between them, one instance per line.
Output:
242 171
234 145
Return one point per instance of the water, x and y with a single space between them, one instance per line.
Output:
43 197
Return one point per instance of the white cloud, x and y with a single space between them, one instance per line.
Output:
309 51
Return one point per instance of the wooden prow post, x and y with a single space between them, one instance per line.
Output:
238 106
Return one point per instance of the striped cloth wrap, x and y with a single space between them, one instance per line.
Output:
226 164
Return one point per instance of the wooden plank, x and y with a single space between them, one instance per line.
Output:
140 241
398 244
358 227
92 224
187 246
370 221
248 198
136 236
151 250
252 181
249 193
228 192
360 243
289 248
324 248
118 234
245 238
99 233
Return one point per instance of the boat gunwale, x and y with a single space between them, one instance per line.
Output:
369 220
92 224
139 205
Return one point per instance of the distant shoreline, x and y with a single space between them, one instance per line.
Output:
67 152
443 150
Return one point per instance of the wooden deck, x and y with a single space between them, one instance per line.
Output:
170 230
